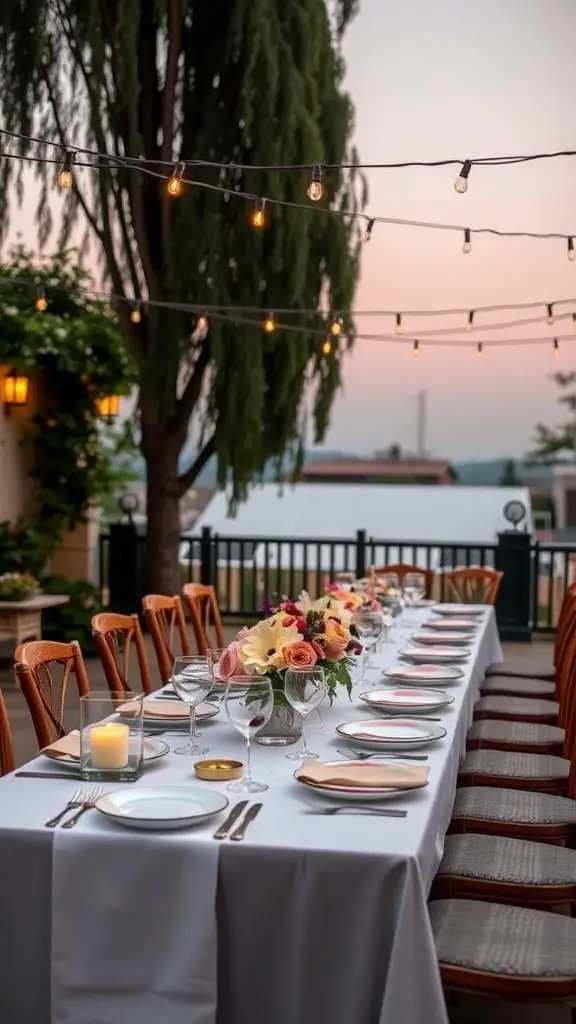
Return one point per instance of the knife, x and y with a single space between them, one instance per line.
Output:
46 775
235 813
251 813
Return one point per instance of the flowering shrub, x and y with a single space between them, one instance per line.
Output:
17 586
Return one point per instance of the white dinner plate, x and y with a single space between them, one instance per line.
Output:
401 701
469 611
157 808
452 639
464 625
152 749
391 733
413 675
355 794
434 654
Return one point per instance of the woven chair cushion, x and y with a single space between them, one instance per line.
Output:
500 859
504 940
515 732
518 706
534 687
515 765
487 803
532 669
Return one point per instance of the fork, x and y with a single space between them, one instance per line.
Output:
88 802
379 812
363 755
76 800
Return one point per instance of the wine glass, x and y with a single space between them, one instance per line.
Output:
368 625
249 702
214 655
345 580
305 689
414 588
192 679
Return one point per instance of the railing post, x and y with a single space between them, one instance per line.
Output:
360 554
513 558
124 569
206 559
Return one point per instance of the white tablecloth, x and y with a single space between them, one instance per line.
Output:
312 920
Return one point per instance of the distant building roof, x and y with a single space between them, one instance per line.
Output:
370 468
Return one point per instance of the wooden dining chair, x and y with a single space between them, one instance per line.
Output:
37 665
115 636
472 586
7 762
167 626
204 614
401 569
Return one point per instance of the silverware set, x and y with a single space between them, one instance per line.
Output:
82 800
225 830
363 755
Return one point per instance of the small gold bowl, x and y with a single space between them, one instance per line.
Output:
218 769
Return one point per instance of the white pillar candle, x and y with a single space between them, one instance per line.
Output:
109 745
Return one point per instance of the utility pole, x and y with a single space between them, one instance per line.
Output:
421 410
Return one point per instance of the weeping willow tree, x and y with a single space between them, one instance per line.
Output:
237 82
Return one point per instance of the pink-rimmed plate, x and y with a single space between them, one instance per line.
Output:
468 611
462 625
453 638
413 675
391 733
359 794
400 700
433 655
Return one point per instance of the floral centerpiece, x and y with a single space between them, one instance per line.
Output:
296 634
17 586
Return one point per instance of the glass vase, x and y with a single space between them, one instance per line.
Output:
283 728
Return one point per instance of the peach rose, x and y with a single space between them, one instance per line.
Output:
300 655
337 639
230 663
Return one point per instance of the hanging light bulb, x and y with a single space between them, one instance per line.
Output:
556 347
269 323
65 173
41 301
470 324
201 325
258 217
467 243
574 320
336 326
175 187
416 348
326 347
399 323
571 248
368 232
315 188
461 183
479 349
136 315
550 312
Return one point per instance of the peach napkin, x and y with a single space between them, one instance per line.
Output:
164 709
68 746
389 776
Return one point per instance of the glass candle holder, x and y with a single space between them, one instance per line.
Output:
111 736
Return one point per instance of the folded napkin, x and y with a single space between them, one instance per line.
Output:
164 709
381 776
68 746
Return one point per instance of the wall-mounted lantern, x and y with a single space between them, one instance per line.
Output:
15 388
109 406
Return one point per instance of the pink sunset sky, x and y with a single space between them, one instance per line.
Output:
433 80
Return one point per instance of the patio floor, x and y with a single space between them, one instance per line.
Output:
468 1010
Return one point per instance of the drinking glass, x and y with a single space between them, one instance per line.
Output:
345 580
305 689
192 679
414 588
214 655
368 625
249 703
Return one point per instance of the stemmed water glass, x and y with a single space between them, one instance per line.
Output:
305 689
249 702
368 625
215 655
414 588
192 679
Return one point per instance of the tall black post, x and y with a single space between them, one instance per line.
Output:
360 554
513 558
207 558
124 569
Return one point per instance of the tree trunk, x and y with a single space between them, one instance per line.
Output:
161 450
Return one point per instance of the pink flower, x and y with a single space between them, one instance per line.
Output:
300 655
230 664
316 647
301 625
290 608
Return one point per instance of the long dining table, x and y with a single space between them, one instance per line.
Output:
312 919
